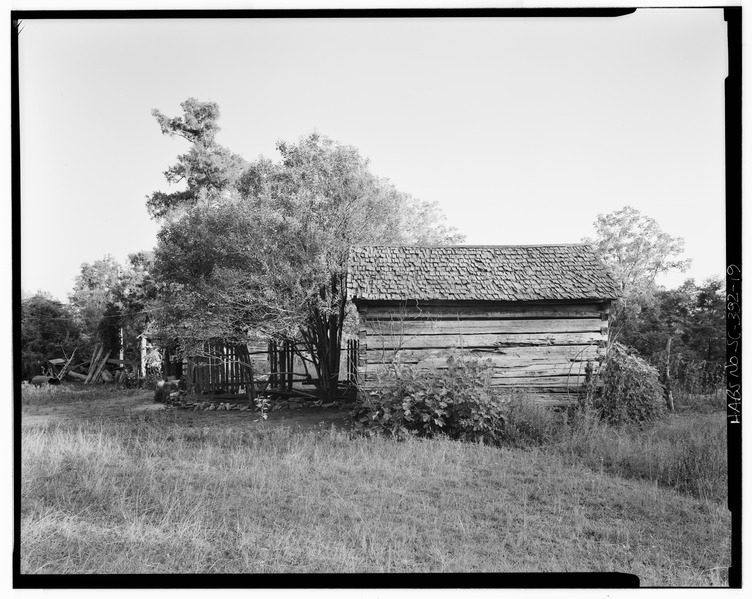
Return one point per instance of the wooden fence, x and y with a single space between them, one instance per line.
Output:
352 361
281 365
235 369
223 368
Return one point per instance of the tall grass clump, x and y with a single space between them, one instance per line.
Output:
701 403
528 423
685 452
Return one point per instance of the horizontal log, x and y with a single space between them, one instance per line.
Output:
500 371
504 369
559 383
462 312
386 342
522 382
502 362
523 355
469 327
550 400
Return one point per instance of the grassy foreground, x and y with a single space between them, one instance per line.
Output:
149 494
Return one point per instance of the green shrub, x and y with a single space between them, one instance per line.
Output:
457 402
628 389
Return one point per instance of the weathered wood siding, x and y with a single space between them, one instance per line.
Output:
542 348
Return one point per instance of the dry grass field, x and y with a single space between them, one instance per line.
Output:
112 485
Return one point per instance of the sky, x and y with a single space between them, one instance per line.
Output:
523 130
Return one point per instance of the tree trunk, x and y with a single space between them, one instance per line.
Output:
121 338
323 336
667 384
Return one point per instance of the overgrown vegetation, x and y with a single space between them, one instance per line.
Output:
681 331
48 330
618 432
457 402
686 453
626 389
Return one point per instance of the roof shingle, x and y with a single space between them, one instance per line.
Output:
500 273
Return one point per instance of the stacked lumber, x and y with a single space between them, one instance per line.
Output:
99 368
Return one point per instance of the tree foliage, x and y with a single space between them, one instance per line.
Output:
109 299
92 293
692 316
48 330
680 331
636 249
207 169
268 257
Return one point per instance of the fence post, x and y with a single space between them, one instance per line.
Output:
290 364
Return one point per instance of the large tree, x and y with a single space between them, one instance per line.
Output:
48 330
111 301
270 258
91 299
208 169
635 249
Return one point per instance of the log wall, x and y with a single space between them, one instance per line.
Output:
540 348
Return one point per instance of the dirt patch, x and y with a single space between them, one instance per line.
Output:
113 407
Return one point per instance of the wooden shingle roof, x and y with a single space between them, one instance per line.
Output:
467 273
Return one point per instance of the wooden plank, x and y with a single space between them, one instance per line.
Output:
290 365
546 382
226 380
518 371
497 362
94 361
230 357
525 355
505 369
470 327
199 370
483 341
550 399
245 359
100 367
486 311
65 367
